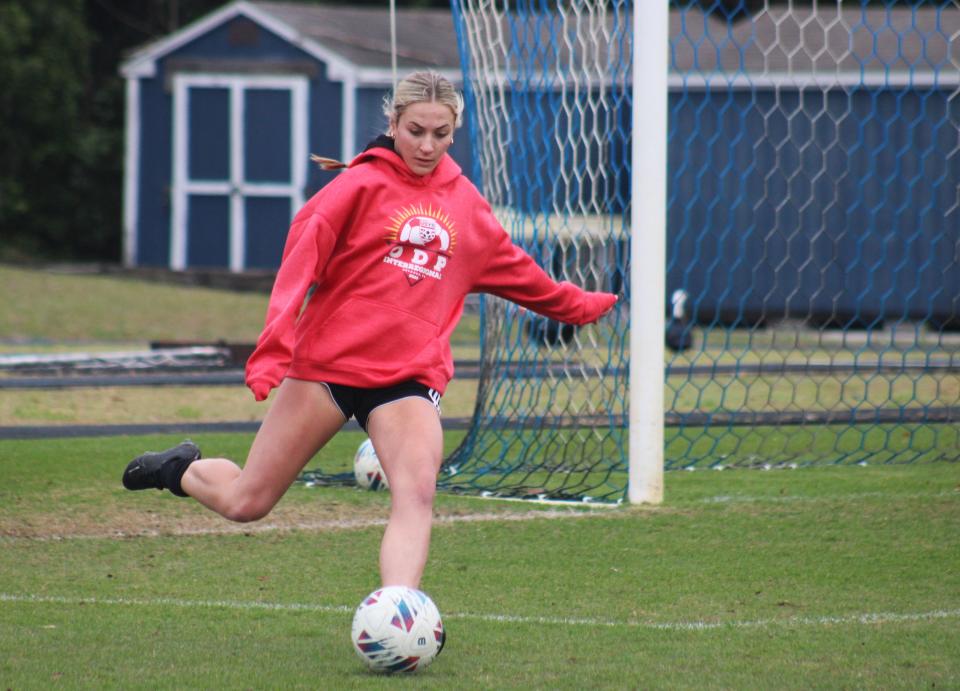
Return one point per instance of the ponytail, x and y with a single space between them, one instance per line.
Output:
325 163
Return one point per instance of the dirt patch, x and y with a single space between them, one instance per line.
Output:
171 517
190 519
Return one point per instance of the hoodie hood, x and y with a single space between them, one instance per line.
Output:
381 149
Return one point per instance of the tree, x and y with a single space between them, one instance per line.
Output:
50 160
61 111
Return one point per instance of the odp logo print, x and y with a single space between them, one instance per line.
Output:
422 241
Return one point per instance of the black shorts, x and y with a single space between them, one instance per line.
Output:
356 402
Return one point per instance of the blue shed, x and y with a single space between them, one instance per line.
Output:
814 164
223 114
813 158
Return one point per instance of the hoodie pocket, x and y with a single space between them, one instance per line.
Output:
369 335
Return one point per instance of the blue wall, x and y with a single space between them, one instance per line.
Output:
155 174
860 226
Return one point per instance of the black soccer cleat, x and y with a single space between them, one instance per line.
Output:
146 471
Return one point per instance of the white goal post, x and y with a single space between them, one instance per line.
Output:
648 228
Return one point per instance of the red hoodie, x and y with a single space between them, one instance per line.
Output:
393 256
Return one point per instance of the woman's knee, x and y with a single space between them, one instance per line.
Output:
246 507
418 488
426 490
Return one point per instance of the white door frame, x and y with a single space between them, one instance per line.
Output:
236 188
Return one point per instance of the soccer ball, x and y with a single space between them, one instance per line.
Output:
397 629
367 470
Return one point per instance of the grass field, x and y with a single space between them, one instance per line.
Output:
821 577
816 578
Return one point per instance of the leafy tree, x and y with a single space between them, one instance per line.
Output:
49 162
61 120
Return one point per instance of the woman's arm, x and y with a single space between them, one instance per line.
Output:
309 245
512 274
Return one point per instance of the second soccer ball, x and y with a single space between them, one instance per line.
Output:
367 470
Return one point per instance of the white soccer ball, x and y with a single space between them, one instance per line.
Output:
367 470
397 629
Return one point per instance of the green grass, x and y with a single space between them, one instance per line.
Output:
841 577
164 404
42 305
827 577
53 311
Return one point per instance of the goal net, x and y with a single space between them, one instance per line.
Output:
813 236
814 225
548 112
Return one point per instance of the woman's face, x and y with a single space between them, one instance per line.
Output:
423 134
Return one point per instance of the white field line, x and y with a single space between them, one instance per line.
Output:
747 499
862 618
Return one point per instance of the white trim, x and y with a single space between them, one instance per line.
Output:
381 76
209 187
143 63
334 400
336 63
222 79
348 119
178 211
131 173
414 396
237 220
236 188
299 143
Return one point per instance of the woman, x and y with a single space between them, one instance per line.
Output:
392 246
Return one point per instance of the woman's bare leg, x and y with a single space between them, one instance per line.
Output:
300 421
408 440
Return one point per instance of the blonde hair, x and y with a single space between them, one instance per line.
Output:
423 87
418 87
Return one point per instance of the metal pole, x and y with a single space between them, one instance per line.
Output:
648 249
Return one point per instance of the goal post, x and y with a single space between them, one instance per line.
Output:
648 256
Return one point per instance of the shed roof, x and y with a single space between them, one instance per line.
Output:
871 41
877 43
353 41
425 37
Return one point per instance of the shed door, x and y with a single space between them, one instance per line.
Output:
239 168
